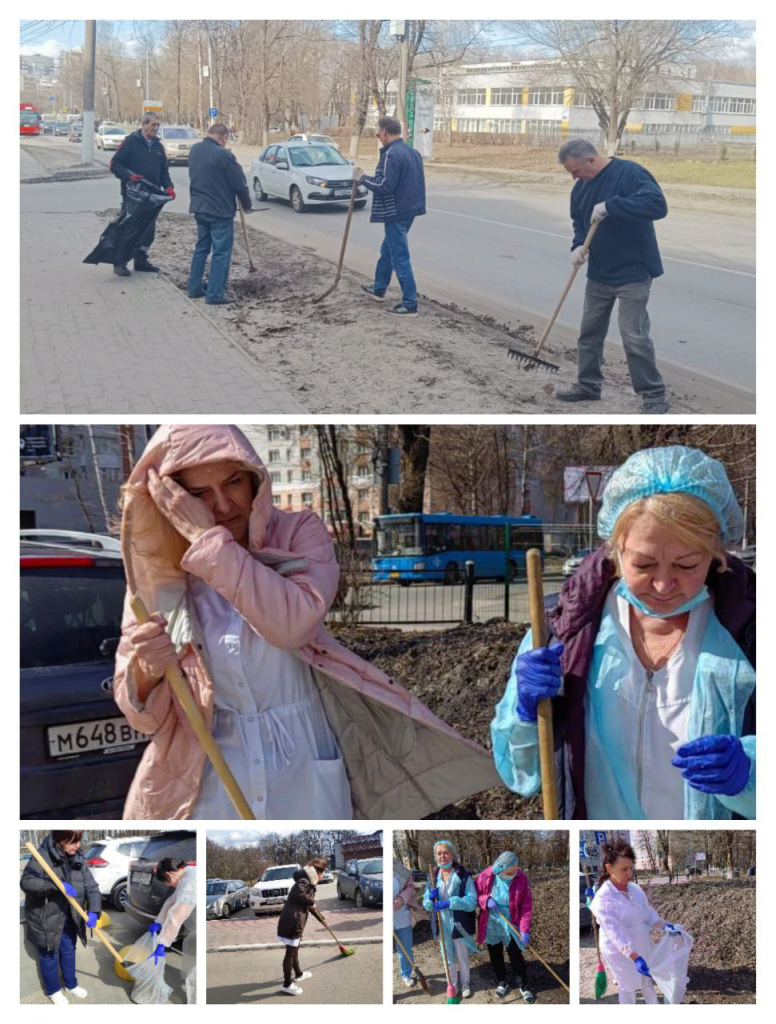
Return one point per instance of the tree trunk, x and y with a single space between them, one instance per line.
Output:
415 444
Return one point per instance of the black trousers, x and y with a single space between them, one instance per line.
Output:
291 963
496 954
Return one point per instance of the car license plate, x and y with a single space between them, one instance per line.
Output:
141 878
275 900
106 734
394 575
342 191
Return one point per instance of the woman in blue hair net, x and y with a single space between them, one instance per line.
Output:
504 896
651 660
450 899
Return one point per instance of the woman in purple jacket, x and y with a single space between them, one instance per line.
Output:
504 898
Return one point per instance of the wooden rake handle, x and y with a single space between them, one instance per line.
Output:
174 677
73 903
544 708
439 929
338 275
562 299
514 930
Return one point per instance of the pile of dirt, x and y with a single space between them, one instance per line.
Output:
460 674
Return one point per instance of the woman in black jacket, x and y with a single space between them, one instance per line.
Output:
292 921
52 924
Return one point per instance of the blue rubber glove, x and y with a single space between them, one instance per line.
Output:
672 928
525 938
154 927
70 890
91 920
441 905
433 894
641 966
714 764
492 905
589 893
539 675
158 954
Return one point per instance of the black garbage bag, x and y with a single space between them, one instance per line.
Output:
142 202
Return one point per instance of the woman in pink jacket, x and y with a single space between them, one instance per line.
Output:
240 592
504 897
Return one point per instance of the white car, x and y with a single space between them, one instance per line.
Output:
324 140
305 174
110 136
272 889
108 860
177 140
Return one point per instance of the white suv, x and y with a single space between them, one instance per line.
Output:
108 861
272 889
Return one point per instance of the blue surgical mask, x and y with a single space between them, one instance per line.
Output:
446 864
623 590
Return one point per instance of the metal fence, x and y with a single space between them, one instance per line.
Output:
711 144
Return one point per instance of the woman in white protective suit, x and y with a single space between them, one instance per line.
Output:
178 909
625 921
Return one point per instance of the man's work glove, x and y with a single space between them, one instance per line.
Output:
136 177
579 256
358 174
599 212
441 905
714 764
91 920
158 954
539 675
70 890
641 966
154 927
170 191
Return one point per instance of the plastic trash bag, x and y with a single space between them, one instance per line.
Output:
668 965
149 984
119 241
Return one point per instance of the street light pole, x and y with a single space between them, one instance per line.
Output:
90 59
399 30
210 70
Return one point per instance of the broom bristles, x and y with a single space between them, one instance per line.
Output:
600 982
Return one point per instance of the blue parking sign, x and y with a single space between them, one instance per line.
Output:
582 853
600 838
213 112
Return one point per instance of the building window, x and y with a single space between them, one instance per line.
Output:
471 97
289 476
306 475
581 99
274 455
391 99
506 125
542 127
364 517
273 434
305 453
289 454
289 500
471 124
545 97
511 96
307 499
275 499
275 478
731 105
655 101
363 471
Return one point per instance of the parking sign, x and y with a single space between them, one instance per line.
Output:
213 112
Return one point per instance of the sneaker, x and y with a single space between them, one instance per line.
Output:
142 264
402 310
79 992
197 295
304 975
577 394
502 990
466 992
59 998
655 406
370 291
220 302
291 990
409 982
527 995
122 270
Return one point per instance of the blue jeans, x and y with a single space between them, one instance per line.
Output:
52 961
218 235
395 257
405 938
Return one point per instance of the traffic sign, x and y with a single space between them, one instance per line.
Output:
593 478
213 112
51 99
600 838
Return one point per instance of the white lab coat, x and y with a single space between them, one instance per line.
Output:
268 721
625 921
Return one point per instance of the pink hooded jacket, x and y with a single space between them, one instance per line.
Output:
402 761
520 901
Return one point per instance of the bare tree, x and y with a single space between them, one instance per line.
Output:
415 444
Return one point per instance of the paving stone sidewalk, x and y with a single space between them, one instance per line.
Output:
92 342
346 924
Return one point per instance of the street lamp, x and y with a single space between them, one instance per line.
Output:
398 29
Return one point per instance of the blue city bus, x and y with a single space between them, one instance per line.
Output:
437 545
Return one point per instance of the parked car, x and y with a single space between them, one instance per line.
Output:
110 136
327 876
272 889
146 893
75 131
418 875
572 563
305 175
47 127
78 753
61 128
362 881
109 861
223 897
177 140
585 916
307 137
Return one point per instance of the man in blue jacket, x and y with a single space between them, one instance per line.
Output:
624 259
399 196
215 181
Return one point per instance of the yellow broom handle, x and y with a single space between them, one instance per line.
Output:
174 677
533 950
439 928
73 903
533 560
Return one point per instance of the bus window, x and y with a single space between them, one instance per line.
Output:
398 538
435 538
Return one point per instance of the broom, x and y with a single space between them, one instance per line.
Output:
452 991
421 977
601 980
516 933
344 950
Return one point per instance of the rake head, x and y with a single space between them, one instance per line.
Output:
532 362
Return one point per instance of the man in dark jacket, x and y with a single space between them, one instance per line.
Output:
624 259
215 180
141 155
52 923
399 196
293 918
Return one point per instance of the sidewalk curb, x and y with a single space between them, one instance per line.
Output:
363 941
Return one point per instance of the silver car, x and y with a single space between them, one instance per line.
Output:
177 140
223 897
306 174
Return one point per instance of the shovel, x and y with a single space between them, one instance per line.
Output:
533 562
353 194
77 906
251 268
531 361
